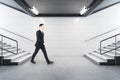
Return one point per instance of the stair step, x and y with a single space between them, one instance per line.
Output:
111 45
95 59
11 54
16 56
2 43
118 51
108 47
101 56
6 45
22 59
10 48
107 50
111 48
110 54
5 52
7 55
116 43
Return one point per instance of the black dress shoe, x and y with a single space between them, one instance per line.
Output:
33 62
50 62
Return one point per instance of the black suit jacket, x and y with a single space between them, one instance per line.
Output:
40 38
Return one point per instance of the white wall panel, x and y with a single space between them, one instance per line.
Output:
63 35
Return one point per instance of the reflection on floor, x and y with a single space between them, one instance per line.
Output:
64 68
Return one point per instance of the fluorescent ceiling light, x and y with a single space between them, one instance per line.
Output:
84 10
34 10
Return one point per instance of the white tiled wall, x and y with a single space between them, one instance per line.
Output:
63 35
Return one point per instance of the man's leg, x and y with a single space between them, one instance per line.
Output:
34 54
45 55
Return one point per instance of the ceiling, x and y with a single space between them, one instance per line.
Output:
69 8
105 4
58 7
12 4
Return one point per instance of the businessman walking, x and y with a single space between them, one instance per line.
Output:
40 45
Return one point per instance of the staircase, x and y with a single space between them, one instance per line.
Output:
9 55
108 55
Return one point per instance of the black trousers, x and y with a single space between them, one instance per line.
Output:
42 47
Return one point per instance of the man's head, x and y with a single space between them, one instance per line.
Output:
41 27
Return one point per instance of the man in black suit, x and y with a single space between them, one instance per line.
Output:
40 45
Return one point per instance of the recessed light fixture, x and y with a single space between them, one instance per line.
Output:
84 10
34 10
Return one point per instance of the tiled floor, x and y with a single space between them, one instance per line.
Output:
64 68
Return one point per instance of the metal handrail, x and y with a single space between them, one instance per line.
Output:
7 50
21 36
111 50
3 36
8 38
114 36
109 37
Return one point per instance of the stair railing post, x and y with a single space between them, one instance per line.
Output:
17 47
100 47
1 49
115 49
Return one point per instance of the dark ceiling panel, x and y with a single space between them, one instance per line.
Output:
12 4
105 4
59 6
